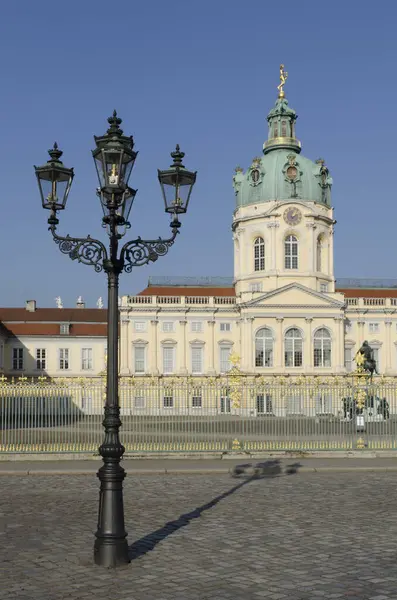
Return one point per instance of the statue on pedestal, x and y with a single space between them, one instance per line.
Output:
365 359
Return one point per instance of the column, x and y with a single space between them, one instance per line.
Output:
211 348
312 248
331 255
279 345
154 350
237 337
250 344
388 350
182 330
360 332
338 350
308 359
243 344
272 252
124 346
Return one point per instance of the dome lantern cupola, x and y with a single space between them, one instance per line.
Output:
281 121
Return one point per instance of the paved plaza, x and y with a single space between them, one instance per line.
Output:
282 534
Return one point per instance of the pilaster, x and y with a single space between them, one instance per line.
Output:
124 345
182 327
388 359
211 348
154 350
339 345
312 247
308 359
279 345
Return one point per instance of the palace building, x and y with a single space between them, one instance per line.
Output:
283 312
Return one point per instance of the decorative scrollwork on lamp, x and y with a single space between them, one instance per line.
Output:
140 252
85 250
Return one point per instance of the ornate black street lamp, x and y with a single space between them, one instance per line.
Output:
114 159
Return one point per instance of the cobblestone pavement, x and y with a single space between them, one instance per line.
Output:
281 536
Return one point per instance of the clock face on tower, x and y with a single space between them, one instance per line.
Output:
292 216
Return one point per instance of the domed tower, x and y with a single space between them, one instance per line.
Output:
283 221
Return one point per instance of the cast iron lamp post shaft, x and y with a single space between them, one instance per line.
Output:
114 158
111 547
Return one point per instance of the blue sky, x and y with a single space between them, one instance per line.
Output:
202 74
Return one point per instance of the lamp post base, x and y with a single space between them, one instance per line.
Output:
111 546
111 553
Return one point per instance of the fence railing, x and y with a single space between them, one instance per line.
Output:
226 414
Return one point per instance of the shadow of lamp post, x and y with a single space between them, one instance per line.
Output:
114 158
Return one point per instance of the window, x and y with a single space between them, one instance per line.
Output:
324 404
259 254
225 326
197 398
17 359
40 359
197 327
264 348
348 358
294 404
283 128
264 404
168 326
86 359
275 129
197 359
139 359
256 287
168 359
291 252
64 328
225 404
140 325
168 400
319 255
322 348
293 352
64 359
373 327
139 402
225 358
1 356
323 287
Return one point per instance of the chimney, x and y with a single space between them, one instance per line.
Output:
80 302
30 305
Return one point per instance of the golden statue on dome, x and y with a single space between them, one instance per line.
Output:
283 79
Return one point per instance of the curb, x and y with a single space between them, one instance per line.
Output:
187 471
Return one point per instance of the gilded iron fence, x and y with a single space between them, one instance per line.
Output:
201 414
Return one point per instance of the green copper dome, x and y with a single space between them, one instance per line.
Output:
282 173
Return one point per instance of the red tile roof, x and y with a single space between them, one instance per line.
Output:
370 293
54 315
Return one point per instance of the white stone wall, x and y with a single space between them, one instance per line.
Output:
52 346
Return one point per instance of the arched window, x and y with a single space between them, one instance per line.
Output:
264 348
291 252
293 351
283 128
259 254
275 129
319 254
322 348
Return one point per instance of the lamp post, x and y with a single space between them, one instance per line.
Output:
114 158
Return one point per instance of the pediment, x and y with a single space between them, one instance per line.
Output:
294 295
